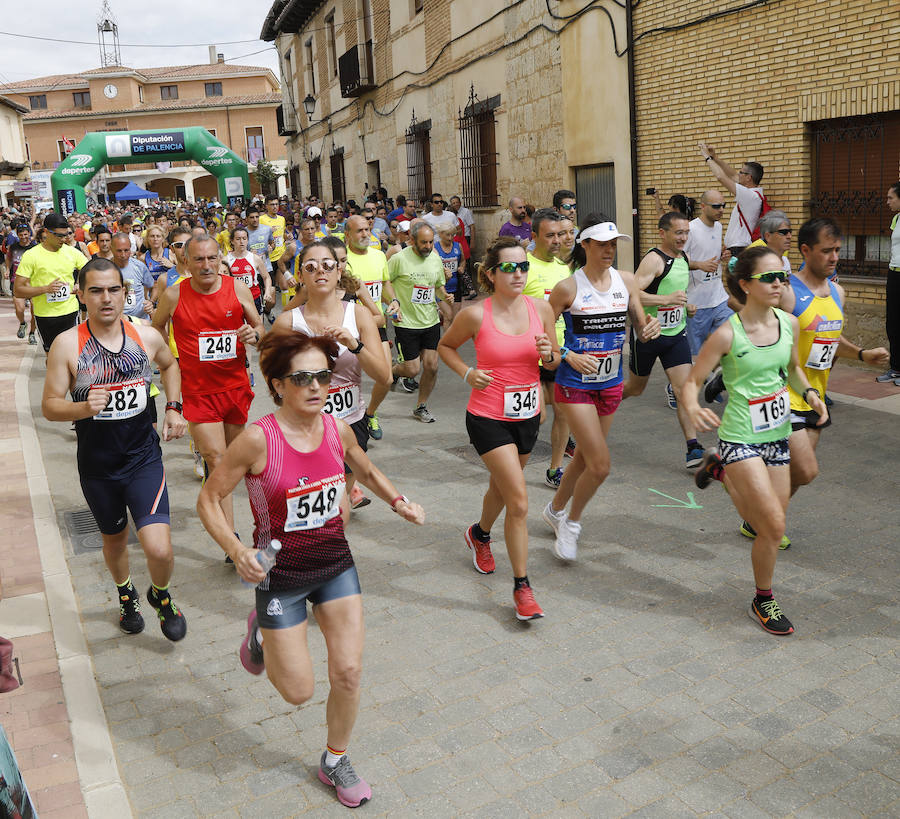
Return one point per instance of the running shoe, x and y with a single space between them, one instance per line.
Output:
671 403
712 391
171 620
827 400
401 385
552 477
351 790
20 333
32 339
251 652
565 547
526 606
131 621
570 447
694 457
411 384
482 557
748 531
770 616
199 466
358 499
422 414
710 464
551 518
375 432
890 375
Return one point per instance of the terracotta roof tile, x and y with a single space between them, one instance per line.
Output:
166 105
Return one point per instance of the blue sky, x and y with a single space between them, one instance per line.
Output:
159 23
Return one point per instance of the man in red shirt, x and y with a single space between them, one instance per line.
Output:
213 319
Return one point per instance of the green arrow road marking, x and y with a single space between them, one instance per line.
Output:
690 503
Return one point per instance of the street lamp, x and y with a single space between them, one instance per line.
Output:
309 105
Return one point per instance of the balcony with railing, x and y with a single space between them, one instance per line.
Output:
356 69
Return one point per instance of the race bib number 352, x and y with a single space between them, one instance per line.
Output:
218 346
521 402
125 400
313 505
769 411
63 294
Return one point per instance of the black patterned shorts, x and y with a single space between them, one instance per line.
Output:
773 453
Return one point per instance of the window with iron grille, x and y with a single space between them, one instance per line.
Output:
337 175
315 178
478 152
418 159
854 163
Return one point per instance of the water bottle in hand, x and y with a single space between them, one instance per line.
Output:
266 558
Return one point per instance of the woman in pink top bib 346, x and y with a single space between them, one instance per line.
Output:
510 332
293 463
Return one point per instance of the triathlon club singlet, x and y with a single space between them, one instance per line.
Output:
595 324
296 499
121 438
210 354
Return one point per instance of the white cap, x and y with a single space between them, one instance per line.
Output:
313 212
403 226
603 232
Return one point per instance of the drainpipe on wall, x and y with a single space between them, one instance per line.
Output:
632 125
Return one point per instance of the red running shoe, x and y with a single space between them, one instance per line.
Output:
482 556
251 652
526 606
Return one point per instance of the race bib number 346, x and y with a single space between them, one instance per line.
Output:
218 346
125 400
313 505
521 402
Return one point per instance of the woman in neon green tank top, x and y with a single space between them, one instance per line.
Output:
758 351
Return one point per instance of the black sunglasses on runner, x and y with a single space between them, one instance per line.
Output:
303 378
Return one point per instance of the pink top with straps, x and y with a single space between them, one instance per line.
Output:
513 394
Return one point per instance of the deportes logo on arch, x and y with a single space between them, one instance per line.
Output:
80 160
216 152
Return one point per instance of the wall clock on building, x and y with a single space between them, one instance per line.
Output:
110 91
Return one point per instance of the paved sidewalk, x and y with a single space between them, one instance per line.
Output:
646 690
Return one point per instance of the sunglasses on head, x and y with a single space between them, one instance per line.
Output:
770 276
312 265
303 378
512 267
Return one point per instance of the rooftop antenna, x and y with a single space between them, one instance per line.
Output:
108 37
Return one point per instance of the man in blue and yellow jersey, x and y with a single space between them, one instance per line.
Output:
272 219
818 304
545 271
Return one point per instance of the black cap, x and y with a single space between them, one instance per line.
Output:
55 221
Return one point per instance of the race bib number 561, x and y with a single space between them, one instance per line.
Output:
422 294
313 505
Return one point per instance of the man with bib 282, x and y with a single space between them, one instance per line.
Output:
105 363
213 319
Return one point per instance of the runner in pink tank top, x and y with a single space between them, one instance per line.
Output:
293 464
511 332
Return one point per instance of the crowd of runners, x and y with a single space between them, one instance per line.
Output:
382 291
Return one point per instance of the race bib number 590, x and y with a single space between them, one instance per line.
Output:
218 346
313 505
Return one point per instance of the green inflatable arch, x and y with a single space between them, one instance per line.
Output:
128 147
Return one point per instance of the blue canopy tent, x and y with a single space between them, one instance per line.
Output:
132 191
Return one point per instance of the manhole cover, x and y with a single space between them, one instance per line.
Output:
83 532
